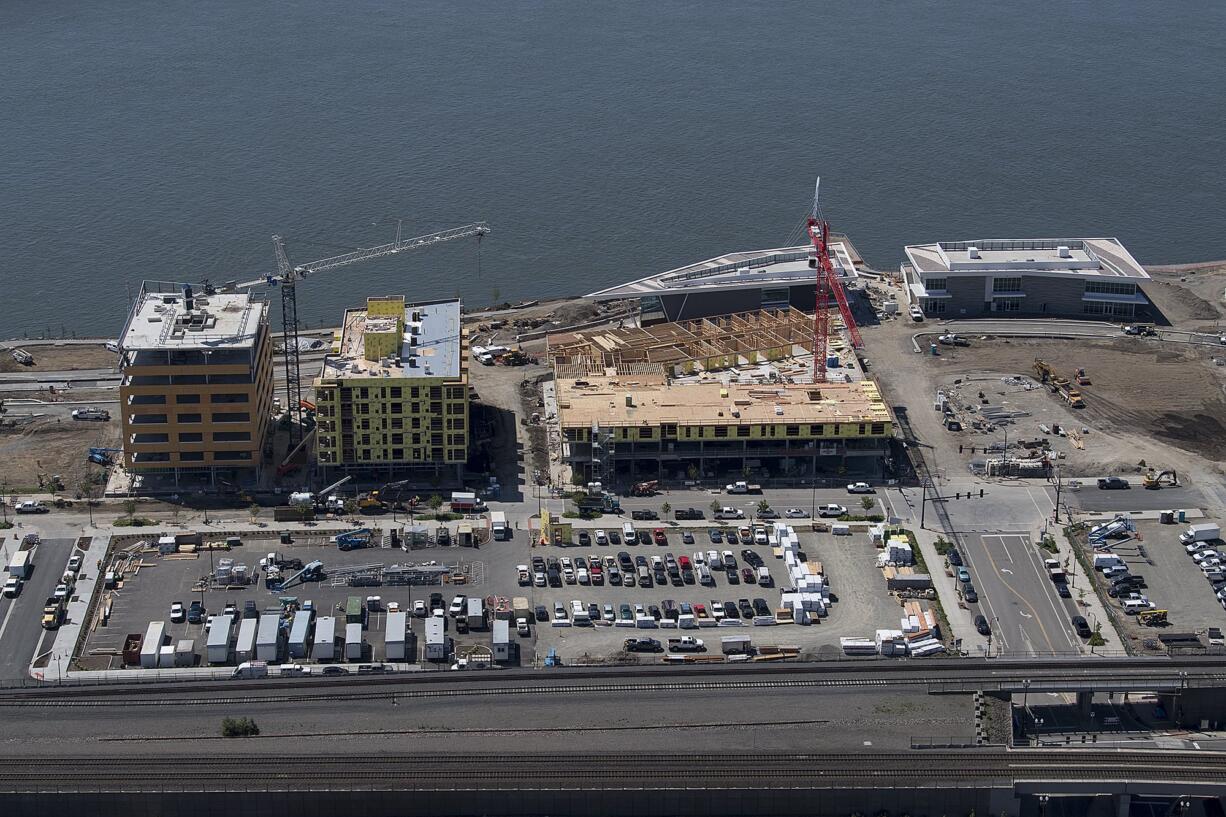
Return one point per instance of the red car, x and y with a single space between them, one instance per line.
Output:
684 563
748 576
658 535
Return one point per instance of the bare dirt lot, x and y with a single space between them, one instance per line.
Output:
1191 298
52 445
58 358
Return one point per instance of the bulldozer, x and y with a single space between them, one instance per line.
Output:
1156 479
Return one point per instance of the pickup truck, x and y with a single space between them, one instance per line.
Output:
688 513
686 643
642 645
53 613
644 515
729 513
740 487
1054 569
831 511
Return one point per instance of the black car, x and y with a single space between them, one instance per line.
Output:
640 561
982 626
733 576
335 670
593 611
1113 484
729 562
195 612
615 538
715 536
1062 590
654 611
541 613
585 538
732 537
954 557
969 594
670 609
745 607
644 515
751 558
730 610
1081 626
761 608
642 645
624 560
644 537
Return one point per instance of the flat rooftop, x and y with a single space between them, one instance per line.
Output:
653 401
783 266
161 319
1102 257
430 345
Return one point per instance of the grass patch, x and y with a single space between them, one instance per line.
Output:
582 515
1048 543
943 546
872 517
5 525
133 522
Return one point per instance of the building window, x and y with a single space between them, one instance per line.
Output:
721 431
191 437
397 453
397 439
191 456
150 438
232 397
189 418
455 393
742 431
1006 284
397 422
365 424
935 306
776 297
668 430
936 284
878 428
1006 304
860 430
1110 288
1116 310
232 417
186 399
816 430
148 419
231 455
791 431
231 436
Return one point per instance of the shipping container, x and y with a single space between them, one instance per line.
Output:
395 636
325 639
353 642
217 650
268 638
300 634
151 647
185 653
244 648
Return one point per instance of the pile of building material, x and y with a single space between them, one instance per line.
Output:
809 594
897 551
920 630
891 642
229 574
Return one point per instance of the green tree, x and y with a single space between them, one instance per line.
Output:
763 507
691 472
435 502
351 505
666 509
1096 638
129 507
715 506
253 511
305 511
866 503
239 728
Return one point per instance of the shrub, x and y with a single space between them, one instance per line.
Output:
239 728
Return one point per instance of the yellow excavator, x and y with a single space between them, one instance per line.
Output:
1156 479
1059 385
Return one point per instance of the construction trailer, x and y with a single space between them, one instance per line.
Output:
185 652
151 647
395 636
268 638
244 647
217 649
324 648
475 613
353 642
438 645
300 634
503 647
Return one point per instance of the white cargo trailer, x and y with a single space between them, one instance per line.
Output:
437 644
395 636
218 647
325 639
503 648
151 647
268 637
244 649
300 634
353 642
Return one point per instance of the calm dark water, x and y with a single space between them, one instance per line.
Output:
602 141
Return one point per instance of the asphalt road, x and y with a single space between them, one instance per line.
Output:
1090 498
21 632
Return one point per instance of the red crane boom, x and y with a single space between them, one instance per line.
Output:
827 283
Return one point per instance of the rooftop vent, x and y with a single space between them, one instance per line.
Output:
972 252
1063 252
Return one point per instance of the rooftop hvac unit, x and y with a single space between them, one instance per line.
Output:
413 362
1063 252
972 252
155 319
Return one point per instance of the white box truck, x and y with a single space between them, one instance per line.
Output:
498 525
395 636
325 639
217 649
438 645
244 648
151 647
268 636
353 642
476 613
22 564
1204 532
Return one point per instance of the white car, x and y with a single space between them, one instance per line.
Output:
860 488
602 538
796 513
760 537
177 613
699 559
31 506
419 609
713 559
608 615
1201 556
917 314
559 611
457 606
74 564
831 510
12 588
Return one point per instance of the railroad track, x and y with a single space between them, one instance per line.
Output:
449 772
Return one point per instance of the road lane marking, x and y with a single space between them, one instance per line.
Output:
1051 647
1049 594
5 625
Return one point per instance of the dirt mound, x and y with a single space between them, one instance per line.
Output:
1181 305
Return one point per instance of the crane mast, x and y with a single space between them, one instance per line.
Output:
827 284
288 276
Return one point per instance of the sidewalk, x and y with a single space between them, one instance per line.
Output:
961 619
1093 609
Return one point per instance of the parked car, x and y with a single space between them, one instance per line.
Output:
715 536
1081 626
1113 483
745 607
1062 590
659 536
687 537
644 537
74 563
751 558
333 669
768 513
981 625
585 538
860 488
954 557
542 614
602 538
796 513
615 538
12 587
559 611
748 576
969 594
760 607
177 612
916 313
457 605
963 575
644 514
831 511
195 612
642 645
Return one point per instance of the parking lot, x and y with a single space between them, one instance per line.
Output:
147 593
1174 582
860 605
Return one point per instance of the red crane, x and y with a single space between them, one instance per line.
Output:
827 283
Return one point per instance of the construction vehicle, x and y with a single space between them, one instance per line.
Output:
1156 479
288 275
23 357
828 284
311 572
325 500
351 540
1081 378
371 502
1140 329
1152 618
1071 396
53 613
91 413
650 488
